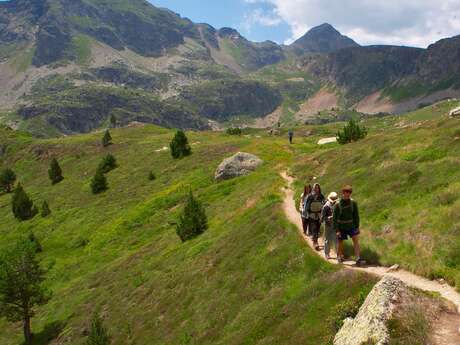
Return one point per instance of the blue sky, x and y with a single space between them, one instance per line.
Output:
255 20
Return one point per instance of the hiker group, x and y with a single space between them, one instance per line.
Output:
340 218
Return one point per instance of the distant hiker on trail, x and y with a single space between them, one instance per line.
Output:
330 237
291 135
306 192
346 223
313 206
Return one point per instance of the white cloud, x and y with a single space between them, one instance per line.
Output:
260 17
408 22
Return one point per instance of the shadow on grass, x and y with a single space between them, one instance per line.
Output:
371 257
49 333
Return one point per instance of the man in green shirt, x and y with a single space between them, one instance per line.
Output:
346 223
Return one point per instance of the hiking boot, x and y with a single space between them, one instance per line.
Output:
360 262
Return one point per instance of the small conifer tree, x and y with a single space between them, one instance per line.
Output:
99 182
22 207
55 172
152 176
179 146
351 132
21 285
7 179
113 121
45 211
108 163
106 139
98 334
193 220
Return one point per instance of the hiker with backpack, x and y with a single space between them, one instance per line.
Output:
291 135
303 214
346 224
330 237
313 206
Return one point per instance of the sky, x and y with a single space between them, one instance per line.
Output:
399 22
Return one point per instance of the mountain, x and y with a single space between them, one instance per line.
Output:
322 39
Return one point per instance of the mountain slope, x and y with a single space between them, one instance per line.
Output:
322 39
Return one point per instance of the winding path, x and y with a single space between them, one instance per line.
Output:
445 290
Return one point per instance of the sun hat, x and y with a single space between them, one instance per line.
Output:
332 197
347 188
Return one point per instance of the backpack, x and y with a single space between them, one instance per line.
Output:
316 207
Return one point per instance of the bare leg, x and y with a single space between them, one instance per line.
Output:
340 249
356 246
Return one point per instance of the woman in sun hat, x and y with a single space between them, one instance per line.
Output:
330 237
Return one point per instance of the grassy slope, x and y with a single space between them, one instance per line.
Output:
247 280
406 177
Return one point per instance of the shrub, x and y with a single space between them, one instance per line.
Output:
179 146
152 176
108 163
98 334
234 131
99 182
7 179
351 132
34 240
22 207
55 172
193 221
113 121
45 211
106 139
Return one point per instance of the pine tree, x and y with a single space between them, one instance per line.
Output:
98 334
45 211
113 121
152 176
193 220
55 172
99 182
106 139
21 285
108 163
23 208
351 132
7 179
179 145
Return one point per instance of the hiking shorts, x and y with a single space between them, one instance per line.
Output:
344 234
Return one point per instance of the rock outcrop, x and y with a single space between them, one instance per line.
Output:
370 325
238 165
455 112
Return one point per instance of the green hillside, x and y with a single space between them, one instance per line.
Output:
248 280
406 177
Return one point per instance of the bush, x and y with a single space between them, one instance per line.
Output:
193 221
33 239
45 211
55 172
98 334
99 182
107 164
351 132
234 131
22 207
106 139
179 146
152 176
7 179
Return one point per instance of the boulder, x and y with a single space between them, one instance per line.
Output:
238 165
370 325
455 112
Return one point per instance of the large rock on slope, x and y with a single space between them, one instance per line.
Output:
238 165
370 325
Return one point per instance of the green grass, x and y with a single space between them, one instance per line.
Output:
405 175
24 60
249 279
81 46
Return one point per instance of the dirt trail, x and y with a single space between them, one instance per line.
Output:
446 291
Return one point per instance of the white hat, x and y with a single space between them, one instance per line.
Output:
332 197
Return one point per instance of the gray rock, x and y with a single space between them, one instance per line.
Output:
238 165
370 325
455 112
